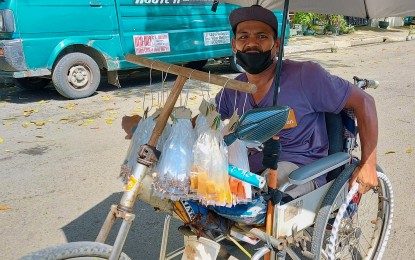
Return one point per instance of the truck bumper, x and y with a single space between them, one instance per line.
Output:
13 63
12 58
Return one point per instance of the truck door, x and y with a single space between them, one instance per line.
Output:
175 31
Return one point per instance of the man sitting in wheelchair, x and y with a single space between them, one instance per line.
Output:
311 92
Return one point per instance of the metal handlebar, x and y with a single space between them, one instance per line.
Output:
365 83
373 84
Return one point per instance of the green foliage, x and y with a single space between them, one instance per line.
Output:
321 19
332 22
411 29
335 19
347 28
303 18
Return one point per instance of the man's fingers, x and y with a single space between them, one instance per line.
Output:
353 179
362 188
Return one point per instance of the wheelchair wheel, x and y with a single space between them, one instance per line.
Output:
363 230
75 250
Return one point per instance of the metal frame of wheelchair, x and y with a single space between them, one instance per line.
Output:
292 219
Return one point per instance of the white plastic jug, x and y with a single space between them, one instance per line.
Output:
200 249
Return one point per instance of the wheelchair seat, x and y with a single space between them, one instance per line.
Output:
335 132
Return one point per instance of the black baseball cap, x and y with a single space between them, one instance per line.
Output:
256 13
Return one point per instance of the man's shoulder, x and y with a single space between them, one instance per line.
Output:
242 77
299 64
306 70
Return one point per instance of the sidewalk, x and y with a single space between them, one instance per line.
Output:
363 35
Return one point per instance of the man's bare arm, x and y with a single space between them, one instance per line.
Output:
365 110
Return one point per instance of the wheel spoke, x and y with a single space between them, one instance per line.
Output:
362 233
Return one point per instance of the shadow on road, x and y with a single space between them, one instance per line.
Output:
144 239
131 81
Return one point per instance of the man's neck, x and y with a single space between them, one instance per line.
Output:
262 81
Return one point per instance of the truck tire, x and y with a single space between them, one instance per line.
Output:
76 75
32 83
235 66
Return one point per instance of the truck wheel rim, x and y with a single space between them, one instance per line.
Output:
79 76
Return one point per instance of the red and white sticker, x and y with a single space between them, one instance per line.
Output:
151 43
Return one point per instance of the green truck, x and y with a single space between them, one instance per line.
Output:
74 42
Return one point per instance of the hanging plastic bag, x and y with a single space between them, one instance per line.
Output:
238 156
209 178
202 124
173 170
141 135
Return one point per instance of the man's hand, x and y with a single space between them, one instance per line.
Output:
365 175
128 123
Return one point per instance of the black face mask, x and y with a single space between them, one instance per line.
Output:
254 63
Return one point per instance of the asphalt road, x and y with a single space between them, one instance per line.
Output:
59 159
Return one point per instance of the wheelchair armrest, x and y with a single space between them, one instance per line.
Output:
317 168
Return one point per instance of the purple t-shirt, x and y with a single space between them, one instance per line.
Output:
310 91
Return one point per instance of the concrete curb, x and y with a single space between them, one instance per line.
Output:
317 45
365 41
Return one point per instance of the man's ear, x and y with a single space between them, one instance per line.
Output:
233 45
276 47
277 44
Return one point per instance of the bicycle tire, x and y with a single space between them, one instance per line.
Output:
352 234
75 250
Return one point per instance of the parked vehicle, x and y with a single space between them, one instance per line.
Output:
74 42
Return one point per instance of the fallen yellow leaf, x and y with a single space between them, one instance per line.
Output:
64 118
41 101
7 124
137 101
389 152
107 99
409 151
1 140
40 123
109 120
36 110
90 120
71 106
5 208
112 112
26 124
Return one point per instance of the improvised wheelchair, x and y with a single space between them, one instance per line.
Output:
327 223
